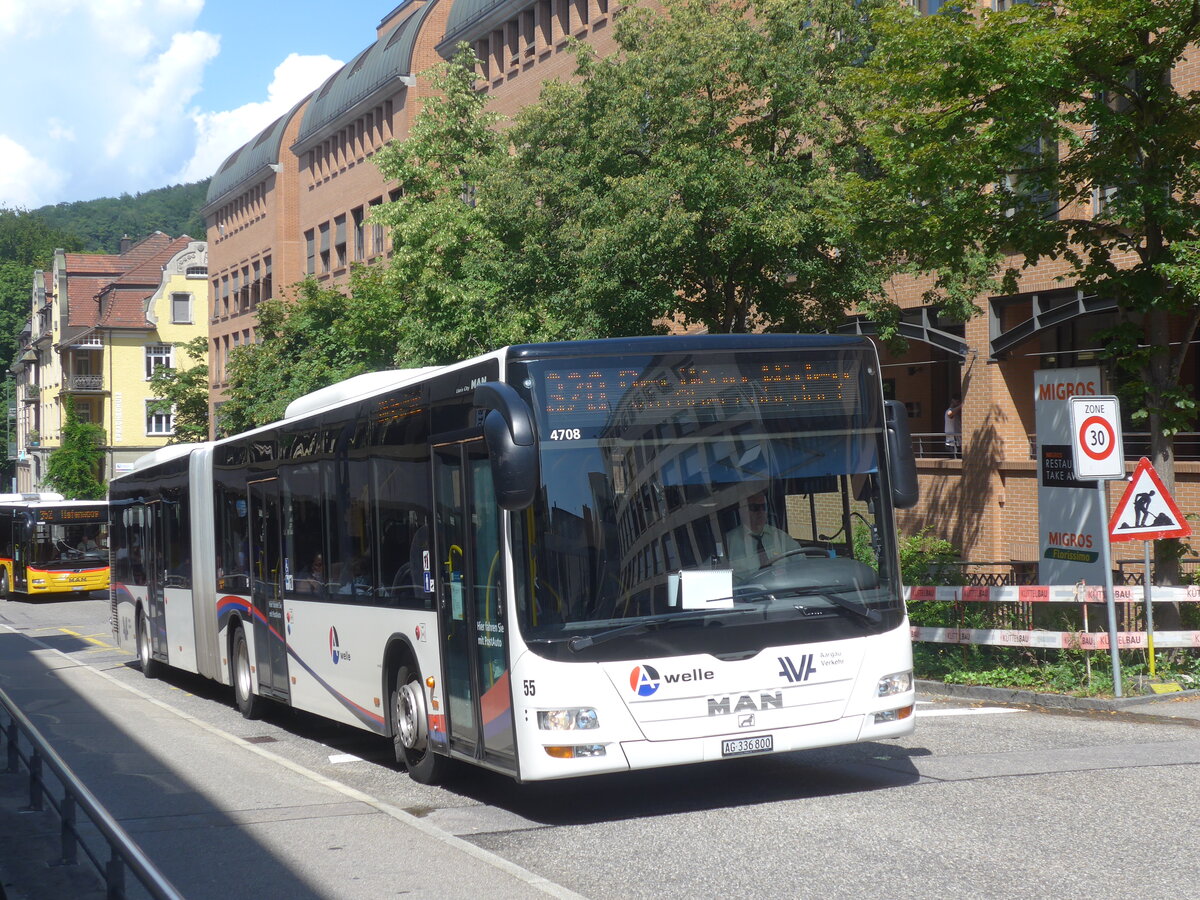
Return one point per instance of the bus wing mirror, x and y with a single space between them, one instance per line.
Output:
902 464
512 444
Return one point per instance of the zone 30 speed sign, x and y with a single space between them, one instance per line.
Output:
1096 438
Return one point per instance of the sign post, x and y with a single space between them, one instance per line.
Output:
1153 517
1097 449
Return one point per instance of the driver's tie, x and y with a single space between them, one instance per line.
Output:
763 559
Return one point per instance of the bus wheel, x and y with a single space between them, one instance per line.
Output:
410 729
3 584
150 665
249 704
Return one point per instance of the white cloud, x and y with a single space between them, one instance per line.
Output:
157 105
23 177
218 134
103 97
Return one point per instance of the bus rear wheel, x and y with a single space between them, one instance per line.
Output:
410 729
4 584
150 666
249 704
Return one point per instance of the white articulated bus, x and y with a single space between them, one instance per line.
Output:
552 560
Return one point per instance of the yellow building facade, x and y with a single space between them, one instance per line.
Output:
100 326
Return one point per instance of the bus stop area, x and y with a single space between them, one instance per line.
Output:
273 830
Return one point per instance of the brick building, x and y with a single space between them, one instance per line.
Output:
294 202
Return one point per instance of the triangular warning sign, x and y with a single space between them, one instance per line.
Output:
1146 511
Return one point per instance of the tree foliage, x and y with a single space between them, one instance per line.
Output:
1003 130
653 187
184 392
27 243
101 223
675 186
316 339
75 466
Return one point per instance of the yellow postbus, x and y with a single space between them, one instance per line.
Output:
49 545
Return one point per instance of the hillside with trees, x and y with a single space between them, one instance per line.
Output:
100 224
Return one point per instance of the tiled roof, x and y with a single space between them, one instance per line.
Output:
125 280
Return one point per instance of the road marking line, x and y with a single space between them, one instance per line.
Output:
967 711
337 758
91 639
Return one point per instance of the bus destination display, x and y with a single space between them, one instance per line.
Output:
622 396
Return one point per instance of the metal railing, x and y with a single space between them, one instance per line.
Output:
85 382
124 852
932 445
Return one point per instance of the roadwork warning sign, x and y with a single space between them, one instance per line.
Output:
1146 511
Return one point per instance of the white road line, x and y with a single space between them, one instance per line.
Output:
966 711
337 758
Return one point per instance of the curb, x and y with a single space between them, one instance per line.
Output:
1047 701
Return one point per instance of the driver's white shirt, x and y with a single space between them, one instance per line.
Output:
742 547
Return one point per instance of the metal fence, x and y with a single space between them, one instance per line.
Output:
37 756
932 445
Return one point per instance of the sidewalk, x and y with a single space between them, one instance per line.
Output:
220 817
1183 705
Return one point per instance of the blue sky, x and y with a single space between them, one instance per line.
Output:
103 97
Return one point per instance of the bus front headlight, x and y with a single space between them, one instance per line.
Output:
578 719
896 683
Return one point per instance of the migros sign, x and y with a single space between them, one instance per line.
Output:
1064 390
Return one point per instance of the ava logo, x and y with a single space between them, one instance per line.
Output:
793 672
334 649
643 680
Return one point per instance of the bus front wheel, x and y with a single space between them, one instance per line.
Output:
249 704
410 729
150 665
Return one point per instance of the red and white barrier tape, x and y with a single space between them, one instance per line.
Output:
1040 593
1054 640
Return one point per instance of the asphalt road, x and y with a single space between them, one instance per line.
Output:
980 802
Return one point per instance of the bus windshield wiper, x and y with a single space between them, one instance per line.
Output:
583 641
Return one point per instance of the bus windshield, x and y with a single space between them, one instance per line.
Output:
718 504
57 545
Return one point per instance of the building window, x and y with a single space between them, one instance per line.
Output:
158 422
323 229
158 356
310 240
196 272
360 235
181 309
339 241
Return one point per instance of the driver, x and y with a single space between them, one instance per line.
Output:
754 544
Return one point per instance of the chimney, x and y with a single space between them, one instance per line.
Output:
126 243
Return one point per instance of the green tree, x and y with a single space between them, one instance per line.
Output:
74 468
184 392
316 339
448 281
672 186
999 130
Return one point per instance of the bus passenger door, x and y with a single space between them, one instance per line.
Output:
266 588
154 563
471 605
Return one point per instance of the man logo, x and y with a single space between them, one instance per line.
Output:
334 649
643 680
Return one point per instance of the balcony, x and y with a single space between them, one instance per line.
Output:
77 384
31 393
